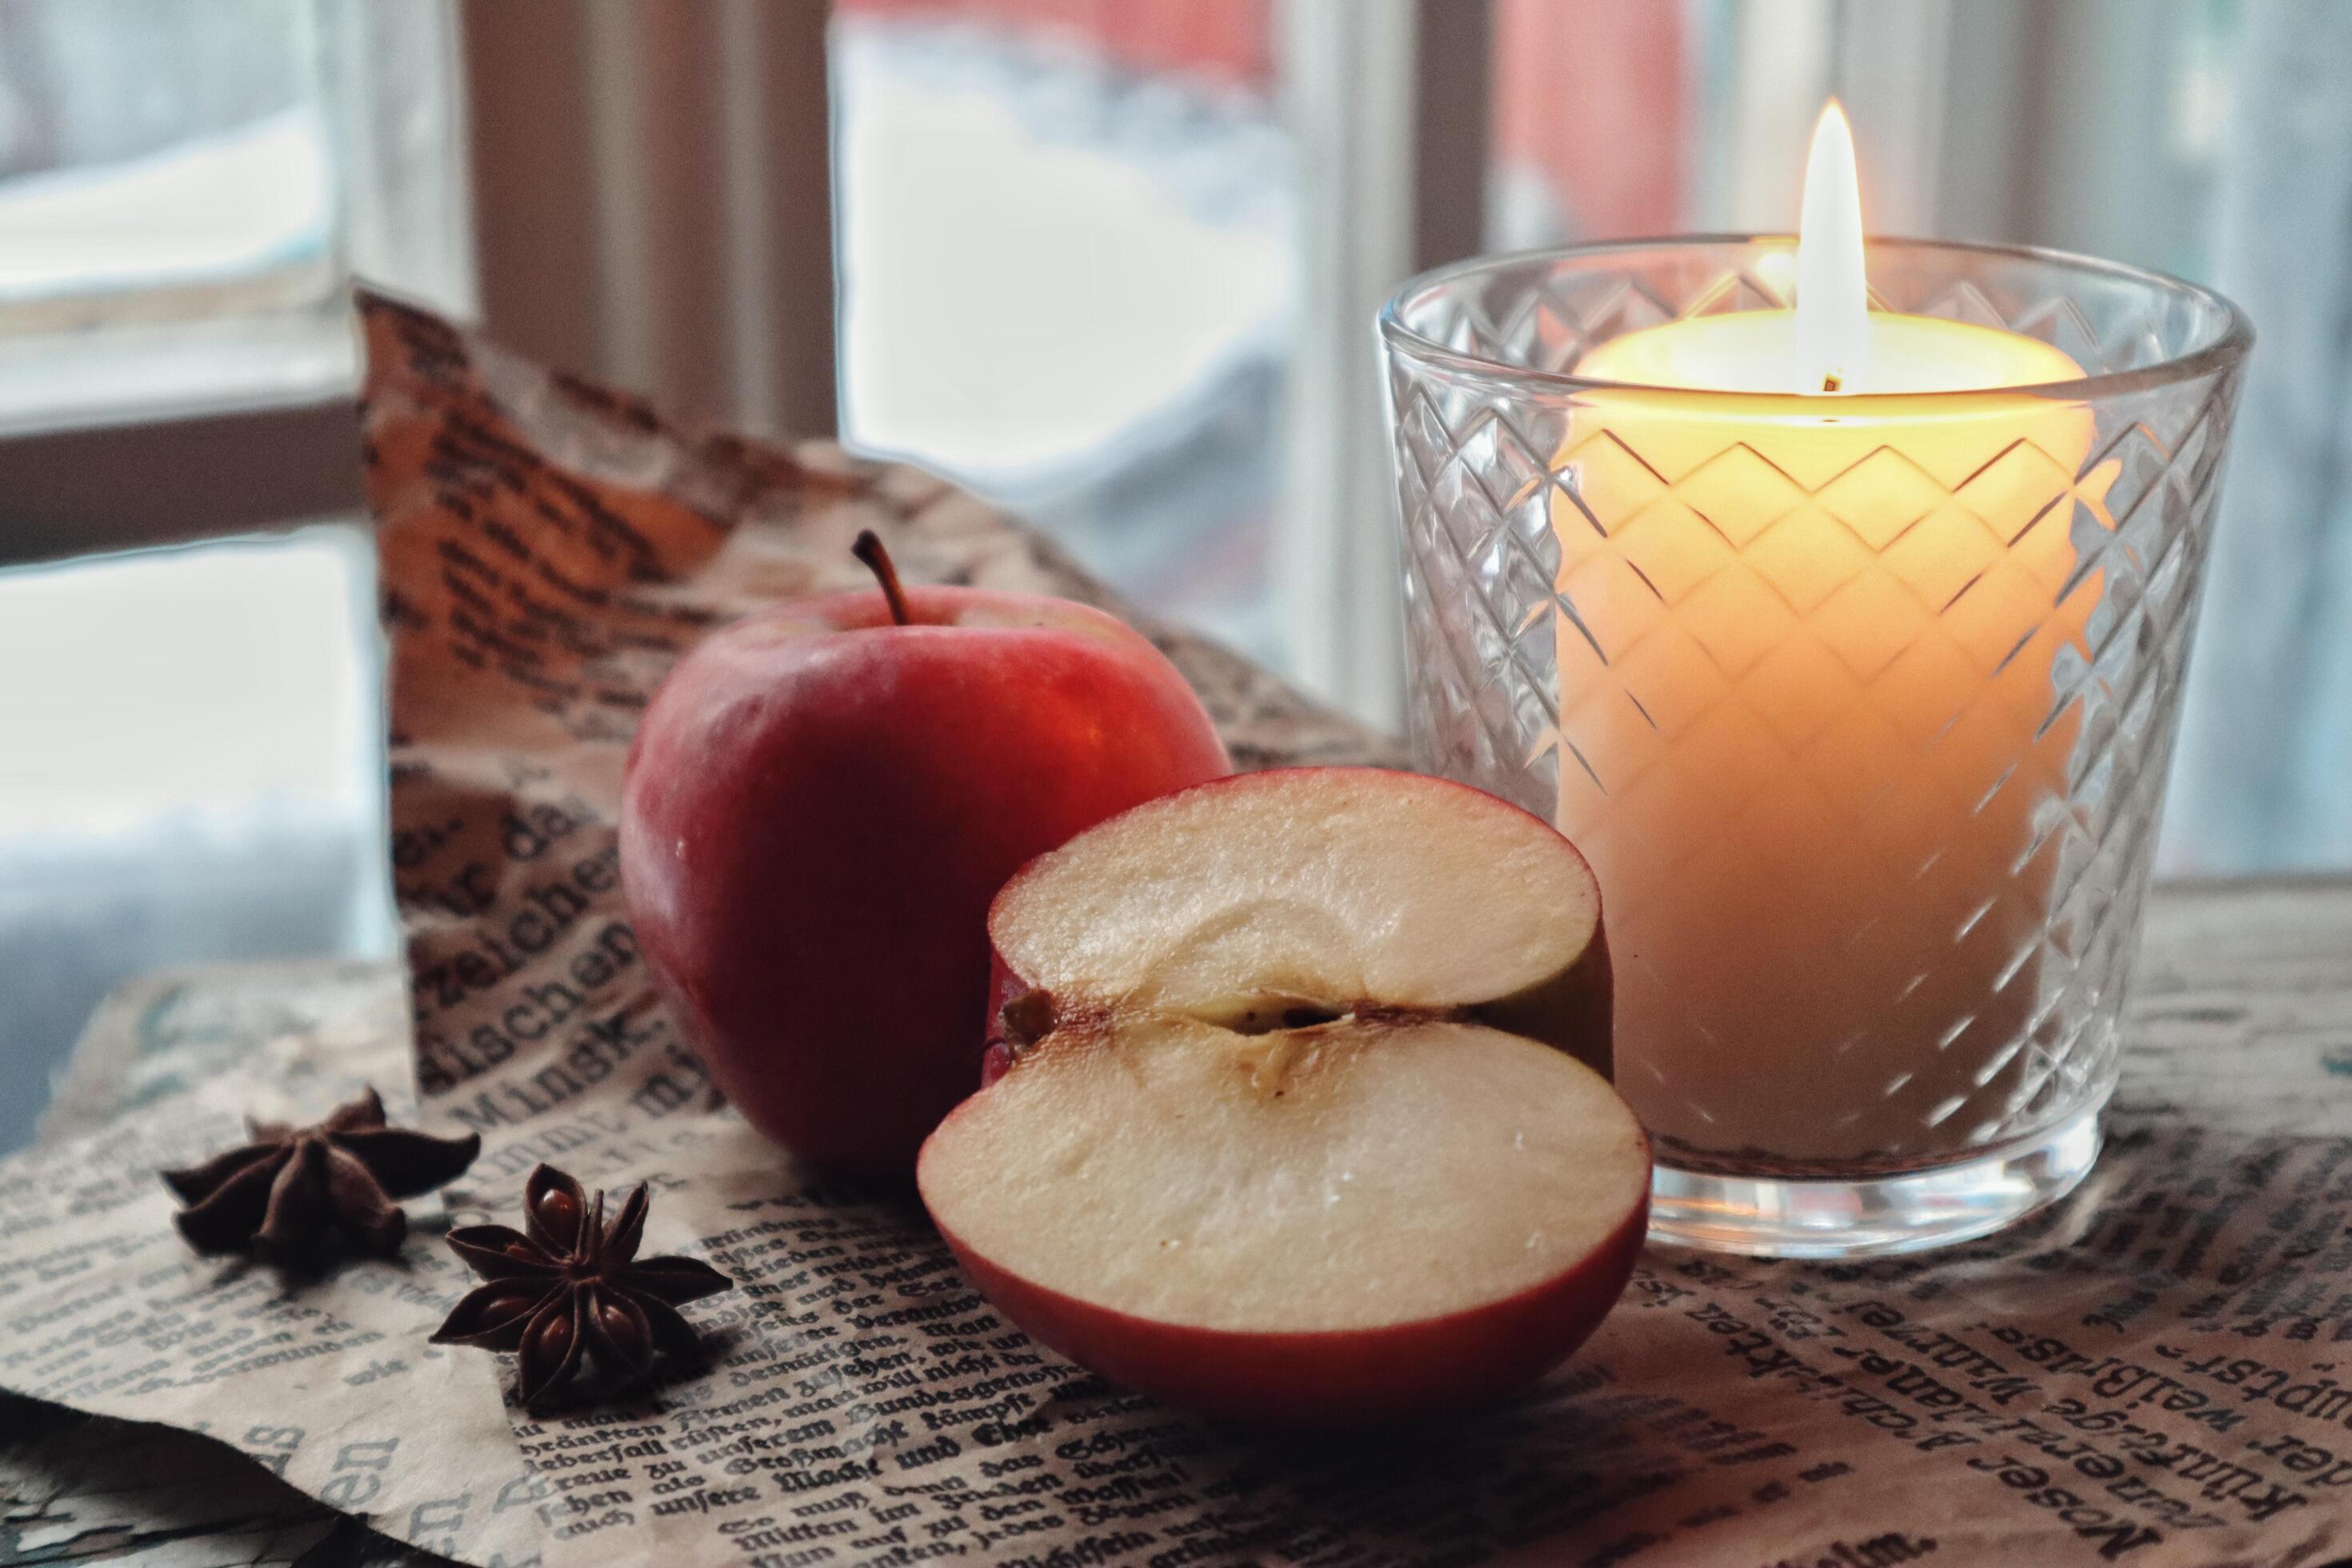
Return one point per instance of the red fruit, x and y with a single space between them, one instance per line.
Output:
1255 1138
820 802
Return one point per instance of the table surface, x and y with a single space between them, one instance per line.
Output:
2240 1018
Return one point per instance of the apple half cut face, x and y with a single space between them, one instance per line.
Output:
1252 1140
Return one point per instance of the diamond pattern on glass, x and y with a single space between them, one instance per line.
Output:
1931 709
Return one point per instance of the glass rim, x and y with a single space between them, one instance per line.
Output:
2224 349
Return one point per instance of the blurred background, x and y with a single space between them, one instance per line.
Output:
1110 262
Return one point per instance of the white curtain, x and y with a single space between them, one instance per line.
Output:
2263 780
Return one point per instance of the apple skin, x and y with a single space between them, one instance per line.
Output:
819 805
1574 1011
1331 1378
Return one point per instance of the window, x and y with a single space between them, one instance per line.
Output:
2089 127
1066 263
185 192
194 767
158 162
193 771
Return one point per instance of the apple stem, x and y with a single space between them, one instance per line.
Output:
870 550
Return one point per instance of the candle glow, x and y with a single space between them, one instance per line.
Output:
1821 574
1833 324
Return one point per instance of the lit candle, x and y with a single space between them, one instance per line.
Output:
1820 567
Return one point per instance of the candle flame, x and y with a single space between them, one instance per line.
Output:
1833 328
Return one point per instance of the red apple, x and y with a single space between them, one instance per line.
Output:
821 801
1252 1141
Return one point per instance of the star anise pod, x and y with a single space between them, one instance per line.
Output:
285 1193
572 1284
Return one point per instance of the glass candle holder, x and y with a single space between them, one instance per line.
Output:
1859 706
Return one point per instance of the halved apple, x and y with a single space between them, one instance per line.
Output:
1251 1138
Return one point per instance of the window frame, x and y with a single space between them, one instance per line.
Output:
242 424
1386 102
